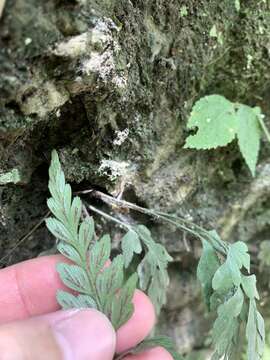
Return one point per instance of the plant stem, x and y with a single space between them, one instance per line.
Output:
265 130
181 223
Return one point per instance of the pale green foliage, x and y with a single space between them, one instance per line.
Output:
153 268
220 121
230 292
227 290
96 285
154 342
249 134
131 245
237 5
208 265
215 119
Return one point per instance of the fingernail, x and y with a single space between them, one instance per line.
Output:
84 335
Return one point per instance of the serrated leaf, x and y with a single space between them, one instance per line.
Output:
157 341
131 245
222 280
237 258
74 277
255 333
110 280
122 306
239 253
249 286
69 301
249 134
227 323
207 267
152 270
215 118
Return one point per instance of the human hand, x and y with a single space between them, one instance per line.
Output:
33 327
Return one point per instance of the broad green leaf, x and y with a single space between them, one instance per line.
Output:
215 118
131 245
207 267
249 134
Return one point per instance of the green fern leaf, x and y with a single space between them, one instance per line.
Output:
207 267
163 341
152 270
97 286
131 245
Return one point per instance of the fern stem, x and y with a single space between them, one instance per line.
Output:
264 128
109 217
188 225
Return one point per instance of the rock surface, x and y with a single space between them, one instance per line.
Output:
110 84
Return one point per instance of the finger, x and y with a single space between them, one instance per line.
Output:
153 354
64 335
140 324
29 288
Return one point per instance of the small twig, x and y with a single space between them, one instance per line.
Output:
109 217
2 5
185 225
265 130
25 237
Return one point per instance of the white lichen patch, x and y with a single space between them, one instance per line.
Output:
121 137
101 62
103 65
43 98
84 43
12 176
74 47
114 169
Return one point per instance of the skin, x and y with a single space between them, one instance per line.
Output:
29 312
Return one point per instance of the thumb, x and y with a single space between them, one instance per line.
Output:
63 335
